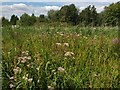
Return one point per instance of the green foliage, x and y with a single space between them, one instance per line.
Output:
69 14
111 14
5 22
42 18
13 20
26 20
59 56
54 15
89 16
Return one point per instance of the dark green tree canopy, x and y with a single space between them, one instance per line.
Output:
69 13
89 16
54 15
13 20
27 20
111 14
5 22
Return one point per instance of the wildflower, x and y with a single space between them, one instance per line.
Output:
37 68
50 88
53 70
29 57
11 85
96 75
69 54
30 80
24 59
20 58
11 78
61 69
26 75
25 78
84 37
116 41
28 65
78 35
25 53
94 28
38 81
59 44
17 70
66 44
61 34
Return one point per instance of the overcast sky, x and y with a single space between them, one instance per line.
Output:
10 7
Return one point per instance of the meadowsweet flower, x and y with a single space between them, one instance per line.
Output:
66 44
20 58
61 34
29 57
50 88
38 81
69 54
11 78
11 85
84 37
25 78
96 75
29 65
78 35
30 80
17 70
24 59
61 69
26 75
59 44
25 53
37 68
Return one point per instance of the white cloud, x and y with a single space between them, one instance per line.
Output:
19 9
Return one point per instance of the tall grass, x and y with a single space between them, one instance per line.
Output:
37 57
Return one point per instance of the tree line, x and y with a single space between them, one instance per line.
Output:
89 16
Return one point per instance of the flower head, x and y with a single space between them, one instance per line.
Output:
61 69
30 80
58 44
17 70
66 44
50 88
69 54
11 85
11 78
116 41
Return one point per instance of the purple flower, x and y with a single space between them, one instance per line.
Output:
116 41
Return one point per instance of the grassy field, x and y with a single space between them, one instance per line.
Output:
60 57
